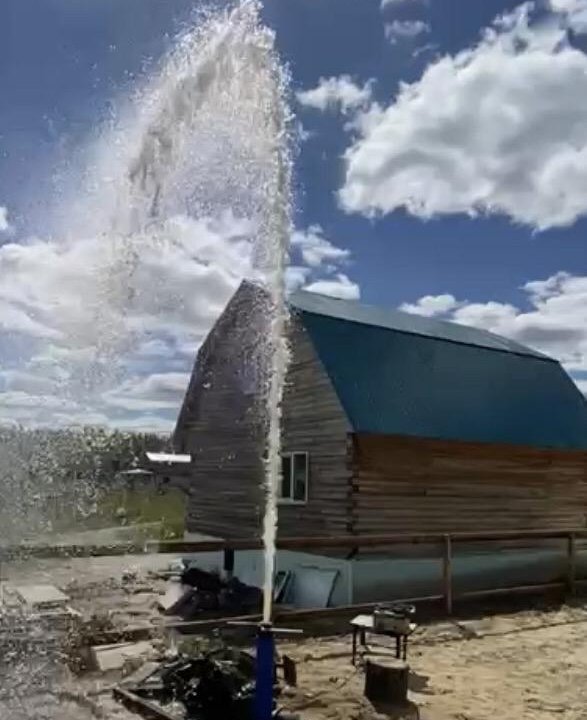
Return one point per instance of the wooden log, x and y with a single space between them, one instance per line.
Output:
386 681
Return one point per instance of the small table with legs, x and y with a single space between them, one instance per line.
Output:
362 624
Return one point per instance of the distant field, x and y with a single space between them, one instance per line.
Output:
141 507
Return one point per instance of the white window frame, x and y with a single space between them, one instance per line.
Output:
290 500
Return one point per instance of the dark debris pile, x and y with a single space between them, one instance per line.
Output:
219 683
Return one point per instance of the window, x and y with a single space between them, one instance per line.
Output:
295 469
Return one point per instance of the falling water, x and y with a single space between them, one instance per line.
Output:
208 135
232 57
212 133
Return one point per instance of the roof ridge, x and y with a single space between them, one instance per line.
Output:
408 323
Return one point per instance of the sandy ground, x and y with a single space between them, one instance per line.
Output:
529 665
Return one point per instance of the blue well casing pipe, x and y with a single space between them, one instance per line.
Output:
265 673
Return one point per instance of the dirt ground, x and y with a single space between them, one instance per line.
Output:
35 683
529 664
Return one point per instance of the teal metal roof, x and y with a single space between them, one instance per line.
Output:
402 374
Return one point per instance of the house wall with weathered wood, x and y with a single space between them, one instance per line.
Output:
314 422
414 485
223 425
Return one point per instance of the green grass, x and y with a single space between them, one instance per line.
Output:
146 507
164 513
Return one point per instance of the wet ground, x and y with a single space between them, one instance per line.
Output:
35 681
527 665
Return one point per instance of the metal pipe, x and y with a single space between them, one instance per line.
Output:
265 673
348 542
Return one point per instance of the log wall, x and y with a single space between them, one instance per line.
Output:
223 425
416 485
314 422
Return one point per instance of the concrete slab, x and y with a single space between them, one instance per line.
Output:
113 657
39 597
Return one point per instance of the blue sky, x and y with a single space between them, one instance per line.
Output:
442 167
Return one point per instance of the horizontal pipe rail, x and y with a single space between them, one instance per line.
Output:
344 542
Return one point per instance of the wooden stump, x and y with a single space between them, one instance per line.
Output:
386 681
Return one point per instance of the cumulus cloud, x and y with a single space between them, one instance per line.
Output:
555 324
320 271
404 30
101 329
574 11
5 226
497 128
159 391
174 281
339 286
336 93
431 305
316 249
296 276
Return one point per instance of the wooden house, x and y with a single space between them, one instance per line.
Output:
391 423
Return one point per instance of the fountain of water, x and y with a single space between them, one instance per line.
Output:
234 51
210 133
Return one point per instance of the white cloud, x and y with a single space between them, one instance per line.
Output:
76 322
555 324
18 399
336 92
27 382
5 226
159 391
316 249
340 287
296 276
574 11
404 30
428 48
322 261
175 280
565 5
498 128
431 305
147 423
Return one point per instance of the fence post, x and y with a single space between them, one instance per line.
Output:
571 563
447 574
